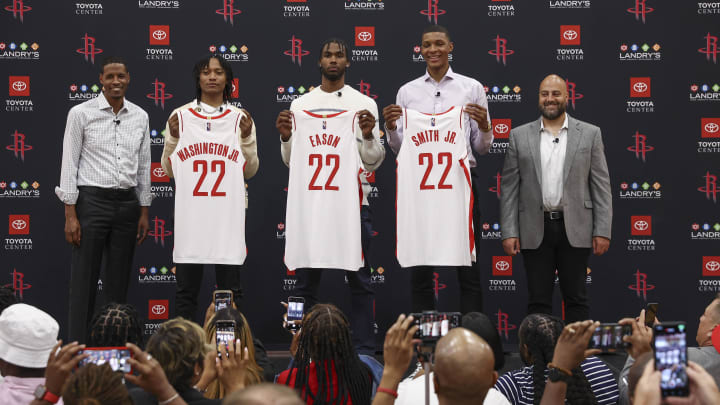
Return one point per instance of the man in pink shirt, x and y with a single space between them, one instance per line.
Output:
27 335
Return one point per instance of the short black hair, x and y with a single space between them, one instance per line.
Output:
7 298
333 40
483 327
205 62
113 59
437 28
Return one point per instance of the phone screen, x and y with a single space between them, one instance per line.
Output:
670 343
608 337
295 311
434 325
224 334
223 299
116 357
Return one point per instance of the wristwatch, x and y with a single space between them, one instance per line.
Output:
42 393
556 375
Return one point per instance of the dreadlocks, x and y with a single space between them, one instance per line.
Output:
540 333
95 385
325 339
115 325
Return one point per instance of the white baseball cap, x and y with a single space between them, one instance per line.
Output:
27 335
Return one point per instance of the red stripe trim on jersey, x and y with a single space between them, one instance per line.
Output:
181 120
405 116
462 110
444 112
353 122
396 198
472 200
293 118
360 186
324 115
237 120
197 114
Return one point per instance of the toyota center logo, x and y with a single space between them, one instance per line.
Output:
159 35
364 36
19 86
502 266
711 266
502 129
158 309
711 127
570 35
159 172
640 87
19 224
641 225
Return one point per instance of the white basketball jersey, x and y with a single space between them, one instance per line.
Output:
209 189
434 193
324 195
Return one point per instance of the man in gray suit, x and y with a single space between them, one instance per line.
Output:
555 204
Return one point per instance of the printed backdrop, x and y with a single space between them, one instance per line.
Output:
645 71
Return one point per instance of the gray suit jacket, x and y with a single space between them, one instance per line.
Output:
586 200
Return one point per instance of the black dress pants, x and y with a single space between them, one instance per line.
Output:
108 222
422 279
189 280
555 252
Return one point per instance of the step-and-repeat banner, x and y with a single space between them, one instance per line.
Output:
645 71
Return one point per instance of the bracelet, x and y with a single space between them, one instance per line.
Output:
167 401
560 369
388 391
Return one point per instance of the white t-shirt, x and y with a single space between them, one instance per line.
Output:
412 392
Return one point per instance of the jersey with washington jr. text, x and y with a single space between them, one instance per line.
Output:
434 193
324 195
209 189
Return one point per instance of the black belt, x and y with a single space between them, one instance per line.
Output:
123 194
553 215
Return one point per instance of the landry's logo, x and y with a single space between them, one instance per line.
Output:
641 225
640 52
711 266
502 266
640 10
710 188
19 86
711 48
159 95
503 324
22 190
364 88
159 35
19 147
503 94
158 232
21 51
641 286
296 51
501 51
641 147
573 95
231 53
18 284
18 9
432 11
228 11
83 92
89 50
705 92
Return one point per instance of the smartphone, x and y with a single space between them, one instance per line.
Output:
608 337
116 357
434 325
295 312
223 299
670 345
224 335
650 313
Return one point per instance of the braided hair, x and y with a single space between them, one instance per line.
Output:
325 340
95 385
540 333
115 325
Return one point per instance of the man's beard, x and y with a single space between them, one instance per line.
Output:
551 116
333 77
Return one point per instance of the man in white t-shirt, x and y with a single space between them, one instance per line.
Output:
332 96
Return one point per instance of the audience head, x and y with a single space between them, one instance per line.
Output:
538 335
179 346
636 371
708 321
254 373
325 340
95 385
264 394
115 325
7 298
27 335
464 367
480 324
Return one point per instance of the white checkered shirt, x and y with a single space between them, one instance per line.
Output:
105 150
